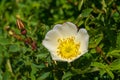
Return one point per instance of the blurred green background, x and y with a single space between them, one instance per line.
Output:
101 18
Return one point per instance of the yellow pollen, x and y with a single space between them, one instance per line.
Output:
68 48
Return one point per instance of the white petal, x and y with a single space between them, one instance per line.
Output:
83 37
67 29
58 58
55 56
74 58
57 25
71 26
51 40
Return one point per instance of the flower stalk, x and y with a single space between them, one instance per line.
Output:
27 40
100 51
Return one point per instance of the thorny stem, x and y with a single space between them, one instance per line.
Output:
99 50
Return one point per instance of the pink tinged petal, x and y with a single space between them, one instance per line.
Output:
51 40
66 30
83 37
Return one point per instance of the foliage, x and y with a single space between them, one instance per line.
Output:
101 18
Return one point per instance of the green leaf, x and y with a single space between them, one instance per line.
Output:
34 70
1 75
114 53
118 40
96 41
93 50
1 48
115 65
4 41
41 56
99 65
1 59
44 76
116 15
99 38
86 12
110 73
6 75
14 48
80 23
80 4
102 72
78 71
67 76
104 69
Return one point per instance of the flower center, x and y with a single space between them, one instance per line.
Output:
68 48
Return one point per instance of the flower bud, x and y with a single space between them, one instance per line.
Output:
20 24
11 32
23 31
98 49
28 41
34 45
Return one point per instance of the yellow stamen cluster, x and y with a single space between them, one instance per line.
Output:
68 48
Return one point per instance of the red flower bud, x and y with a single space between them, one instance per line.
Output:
23 31
34 45
28 41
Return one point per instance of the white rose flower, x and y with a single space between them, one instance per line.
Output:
66 43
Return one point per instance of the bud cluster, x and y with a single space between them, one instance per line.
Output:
27 40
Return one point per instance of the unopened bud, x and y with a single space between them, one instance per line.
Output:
28 41
20 24
11 32
34 45
98 49
24 32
